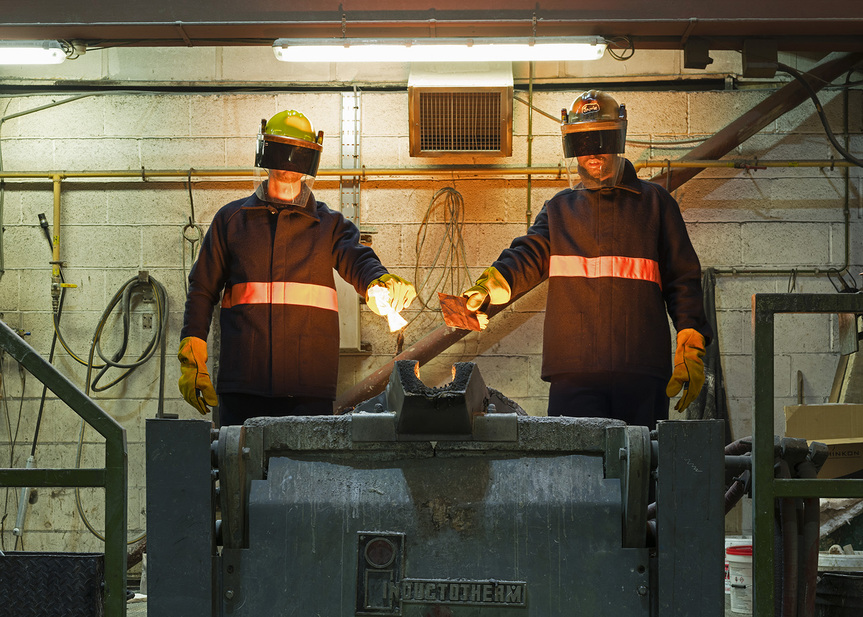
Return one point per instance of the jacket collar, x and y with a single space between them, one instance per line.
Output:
629 179
310 209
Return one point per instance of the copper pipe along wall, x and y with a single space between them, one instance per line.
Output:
56 279
244 175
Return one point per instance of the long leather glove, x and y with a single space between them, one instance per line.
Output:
194 376
688 368
402 293
490 284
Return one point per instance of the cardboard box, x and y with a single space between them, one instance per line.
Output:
839 426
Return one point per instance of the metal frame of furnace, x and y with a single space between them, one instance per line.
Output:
765 488
349 516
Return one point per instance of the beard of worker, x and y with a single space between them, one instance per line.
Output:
286 187
597 167
596 171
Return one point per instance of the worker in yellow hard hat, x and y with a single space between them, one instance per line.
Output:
619 261
269 258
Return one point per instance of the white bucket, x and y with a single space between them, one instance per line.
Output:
732 541
740 575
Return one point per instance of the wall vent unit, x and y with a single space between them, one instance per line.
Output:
460 109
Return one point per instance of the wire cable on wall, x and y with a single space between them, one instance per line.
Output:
626 46
13 440
449 261
814 96
123 295
141 285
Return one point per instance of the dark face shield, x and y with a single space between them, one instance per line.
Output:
598 145
288 154
599 140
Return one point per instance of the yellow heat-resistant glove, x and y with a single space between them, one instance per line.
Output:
688 368
490 284
194 376
402 293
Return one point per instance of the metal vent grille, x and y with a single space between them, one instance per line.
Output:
461 110
460 121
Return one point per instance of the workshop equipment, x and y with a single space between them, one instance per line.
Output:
436 502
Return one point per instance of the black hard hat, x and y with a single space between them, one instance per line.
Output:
594 124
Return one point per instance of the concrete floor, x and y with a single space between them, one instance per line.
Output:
136 609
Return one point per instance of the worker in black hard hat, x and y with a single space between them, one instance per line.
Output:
269 258
619 260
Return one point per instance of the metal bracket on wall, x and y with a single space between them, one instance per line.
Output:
349 204
349 187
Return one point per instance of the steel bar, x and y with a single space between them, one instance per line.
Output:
181 537
834 489
53 477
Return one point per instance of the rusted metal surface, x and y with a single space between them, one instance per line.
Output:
782 101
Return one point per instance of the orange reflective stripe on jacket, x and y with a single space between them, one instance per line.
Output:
606 266
280 292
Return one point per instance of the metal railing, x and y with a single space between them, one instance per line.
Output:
765 488
113 477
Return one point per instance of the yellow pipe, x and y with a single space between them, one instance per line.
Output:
55 245
56 178
528 215
442 171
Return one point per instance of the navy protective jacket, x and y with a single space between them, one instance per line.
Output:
617 259
272 269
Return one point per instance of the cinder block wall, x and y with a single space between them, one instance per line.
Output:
112 228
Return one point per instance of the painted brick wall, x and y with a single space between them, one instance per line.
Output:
112 228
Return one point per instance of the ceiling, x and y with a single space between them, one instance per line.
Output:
794 25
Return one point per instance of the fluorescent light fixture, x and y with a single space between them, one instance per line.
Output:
439 49
31 52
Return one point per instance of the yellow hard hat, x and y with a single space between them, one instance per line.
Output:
288 142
